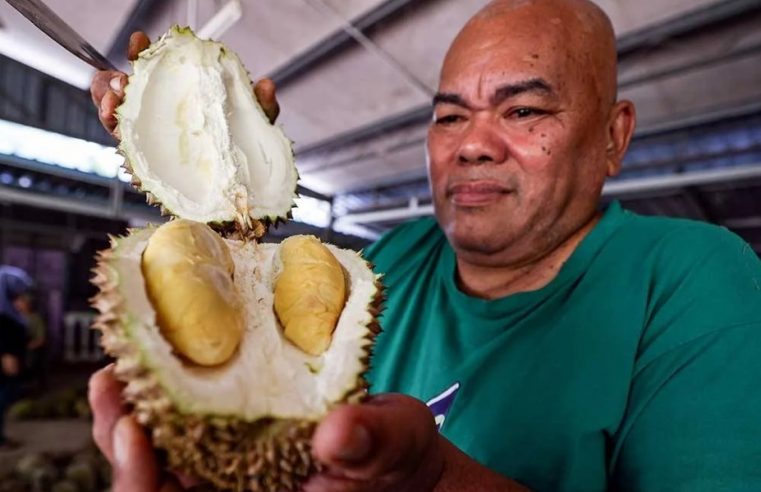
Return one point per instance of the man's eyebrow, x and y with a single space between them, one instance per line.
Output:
511 90
501 94
450 98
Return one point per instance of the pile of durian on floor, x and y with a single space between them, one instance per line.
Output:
232 350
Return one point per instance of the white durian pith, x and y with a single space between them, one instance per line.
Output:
268 376
196 138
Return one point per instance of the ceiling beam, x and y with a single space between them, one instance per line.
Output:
71 205
682 180
746 110
338 41
691 66
415 116
684 24
302 191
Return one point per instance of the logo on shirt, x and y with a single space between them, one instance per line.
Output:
441 404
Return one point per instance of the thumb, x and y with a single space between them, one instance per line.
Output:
135 468
391 434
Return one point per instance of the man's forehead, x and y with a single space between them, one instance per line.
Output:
517 33
496 58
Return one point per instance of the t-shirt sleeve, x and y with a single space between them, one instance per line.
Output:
693 420
388 254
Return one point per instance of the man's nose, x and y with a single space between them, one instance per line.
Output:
482 145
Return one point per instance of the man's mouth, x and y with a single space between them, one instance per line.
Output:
476 193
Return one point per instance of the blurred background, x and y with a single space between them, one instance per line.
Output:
355 80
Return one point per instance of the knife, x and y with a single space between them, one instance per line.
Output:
48 22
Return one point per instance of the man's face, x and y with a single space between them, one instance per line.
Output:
517 147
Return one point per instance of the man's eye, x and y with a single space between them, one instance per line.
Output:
448 119
525 112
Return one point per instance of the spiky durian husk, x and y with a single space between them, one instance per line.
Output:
243 226
267 455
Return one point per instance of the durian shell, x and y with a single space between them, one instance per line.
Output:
241 227
268 455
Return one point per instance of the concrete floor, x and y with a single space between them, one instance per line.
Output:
46 436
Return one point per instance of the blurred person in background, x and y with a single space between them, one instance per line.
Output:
15 284
36 338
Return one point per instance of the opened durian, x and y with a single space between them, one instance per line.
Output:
232 350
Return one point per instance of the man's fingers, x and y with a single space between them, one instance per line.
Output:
135 467
138 41
104 395
104 81
264 90
107 113
392 433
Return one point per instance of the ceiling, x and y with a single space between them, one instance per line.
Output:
358 111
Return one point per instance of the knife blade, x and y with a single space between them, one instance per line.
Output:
48 22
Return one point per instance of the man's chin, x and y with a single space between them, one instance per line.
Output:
476 241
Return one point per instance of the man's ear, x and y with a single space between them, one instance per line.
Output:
623 120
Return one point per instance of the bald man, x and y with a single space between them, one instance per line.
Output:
558 347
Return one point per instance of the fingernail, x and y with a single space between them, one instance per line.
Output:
358 445
116 83
121 441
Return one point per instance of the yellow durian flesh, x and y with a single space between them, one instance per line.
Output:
310 293
188 273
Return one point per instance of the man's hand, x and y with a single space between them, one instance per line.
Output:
391 444
107 89
123 442
388 444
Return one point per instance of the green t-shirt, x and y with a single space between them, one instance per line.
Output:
638 368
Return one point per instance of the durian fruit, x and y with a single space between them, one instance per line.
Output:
196 140
232 350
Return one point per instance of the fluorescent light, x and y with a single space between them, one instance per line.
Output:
312 211
59 150
222 21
